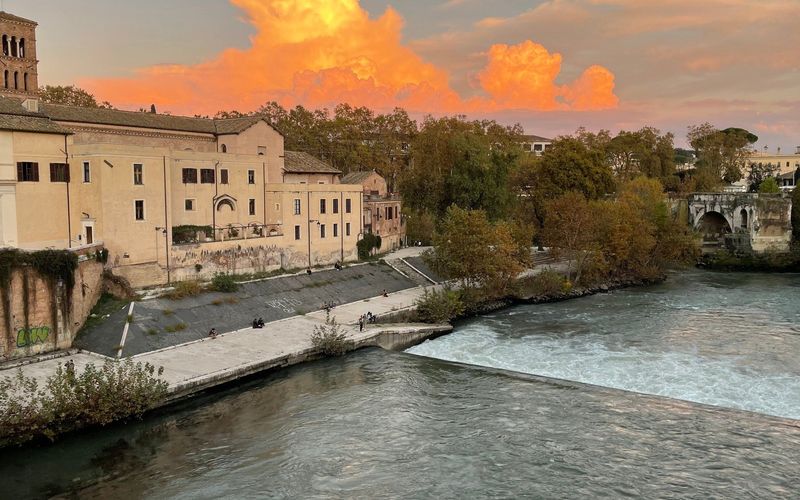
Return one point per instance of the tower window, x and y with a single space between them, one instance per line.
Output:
13 46
5 78
22 47
5 45
25 81
16 80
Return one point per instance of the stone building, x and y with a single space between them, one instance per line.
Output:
170 197
382 211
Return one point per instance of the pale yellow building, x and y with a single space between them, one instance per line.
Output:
170 197
382 213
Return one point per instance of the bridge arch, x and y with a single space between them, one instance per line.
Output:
713 226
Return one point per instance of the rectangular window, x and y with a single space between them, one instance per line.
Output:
389 213
188 205
252 206
87 172
297 207
251 176
335 206
347 229
189 175
138 174
347 207
138 209
397 212
297 232
322 230
59 172
335 230
223 176
27 171
206 176
322 206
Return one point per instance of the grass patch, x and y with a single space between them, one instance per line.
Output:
217 302
177 327
168 312
231 300
152 331
130 318
185 289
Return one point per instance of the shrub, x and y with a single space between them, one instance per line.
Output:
168 312
367 244
130 318
329 338
439 306
545 284
177 327
188 234
70 401
185 289
152 331
224 283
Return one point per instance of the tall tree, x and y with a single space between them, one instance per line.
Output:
70 95
721 153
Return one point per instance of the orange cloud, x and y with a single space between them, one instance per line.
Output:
322 52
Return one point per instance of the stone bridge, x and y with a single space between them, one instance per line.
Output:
742 221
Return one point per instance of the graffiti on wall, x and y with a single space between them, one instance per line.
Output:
286 304
27 337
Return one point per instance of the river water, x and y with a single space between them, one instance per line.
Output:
379 424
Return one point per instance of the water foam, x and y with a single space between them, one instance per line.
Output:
730 381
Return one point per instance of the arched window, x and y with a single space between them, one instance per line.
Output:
25 81
5 45
16 80
225 202
5 78
743 213
22 47
224 148
13 46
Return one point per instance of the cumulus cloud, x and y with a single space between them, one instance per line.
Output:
321 52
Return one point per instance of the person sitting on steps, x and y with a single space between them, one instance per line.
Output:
260 322
213 333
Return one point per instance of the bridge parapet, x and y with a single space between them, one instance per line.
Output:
761 222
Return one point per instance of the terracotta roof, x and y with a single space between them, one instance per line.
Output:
14 117
356 177
297 162
235 125
17 19
102 116
536 138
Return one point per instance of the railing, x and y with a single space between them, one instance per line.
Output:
232 232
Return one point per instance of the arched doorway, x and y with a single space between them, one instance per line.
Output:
226 213
744 224
713 226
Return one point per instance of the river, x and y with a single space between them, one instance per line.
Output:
379 424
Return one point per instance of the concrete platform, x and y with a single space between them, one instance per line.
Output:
207 362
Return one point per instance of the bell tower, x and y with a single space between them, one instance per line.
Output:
18 63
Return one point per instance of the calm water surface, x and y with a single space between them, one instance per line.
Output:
385 425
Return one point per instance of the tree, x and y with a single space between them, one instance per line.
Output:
796 214
471 249
758 173
769 186
570 231
721 153
70 95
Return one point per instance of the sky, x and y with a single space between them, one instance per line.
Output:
550 65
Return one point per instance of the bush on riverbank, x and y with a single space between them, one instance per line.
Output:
224 283
439 306
70 401
784 262
548 283
329 339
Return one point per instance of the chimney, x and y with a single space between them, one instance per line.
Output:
153 108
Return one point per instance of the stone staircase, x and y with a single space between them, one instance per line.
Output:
417 277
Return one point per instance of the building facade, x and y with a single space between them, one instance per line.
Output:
382 210
169 197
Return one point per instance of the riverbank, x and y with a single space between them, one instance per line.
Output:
785 262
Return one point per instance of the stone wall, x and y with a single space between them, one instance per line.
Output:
38 314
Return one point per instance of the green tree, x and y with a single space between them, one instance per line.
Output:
472 250
796 214
758 172
721 153
70 95
769 186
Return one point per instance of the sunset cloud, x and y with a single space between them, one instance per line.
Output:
322 52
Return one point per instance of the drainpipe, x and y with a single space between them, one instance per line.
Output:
213 203
341 222
69 179
264 190
308 230
166 224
